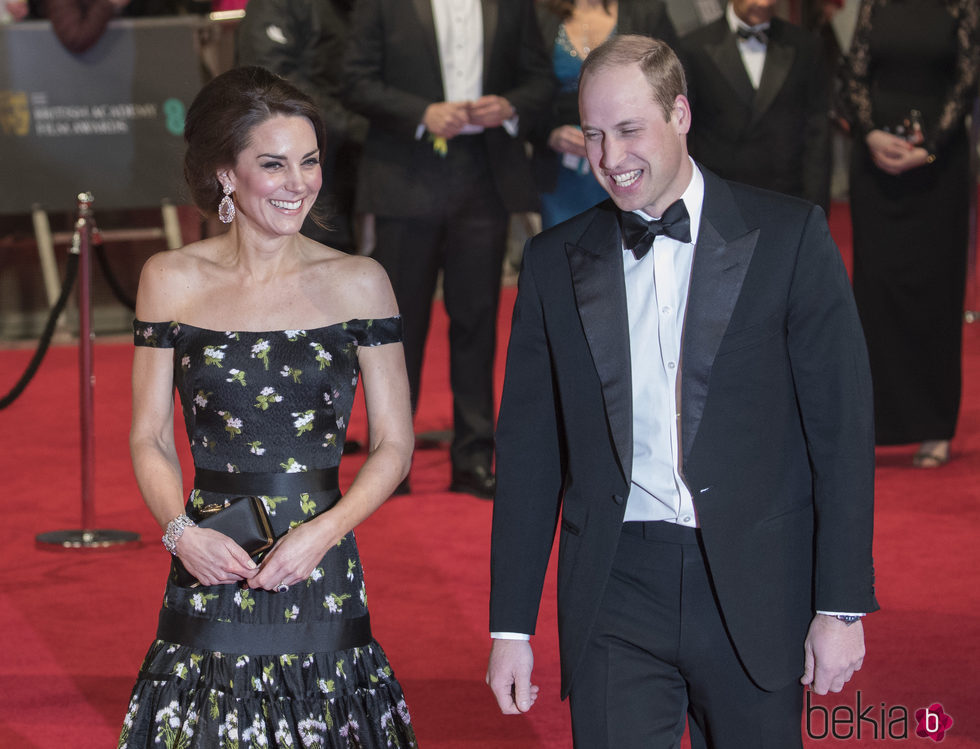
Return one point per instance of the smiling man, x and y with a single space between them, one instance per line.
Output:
698 417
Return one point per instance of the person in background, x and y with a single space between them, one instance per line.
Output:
450 89
571 29
304 41
687 398
13 10
910 82
760 101
79 24
265 334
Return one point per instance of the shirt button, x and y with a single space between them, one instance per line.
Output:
666 310
671 365
686 519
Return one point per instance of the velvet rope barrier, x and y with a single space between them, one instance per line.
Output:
86 537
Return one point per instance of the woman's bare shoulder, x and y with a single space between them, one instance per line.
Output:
169 277
363 285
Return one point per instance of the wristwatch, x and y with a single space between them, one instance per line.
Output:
848 619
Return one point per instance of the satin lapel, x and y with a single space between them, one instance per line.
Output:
721 258
724 53
489 34
779 61
423 10
596 264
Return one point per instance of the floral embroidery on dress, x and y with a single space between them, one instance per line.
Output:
269 402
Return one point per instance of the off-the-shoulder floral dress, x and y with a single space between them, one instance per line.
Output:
235 667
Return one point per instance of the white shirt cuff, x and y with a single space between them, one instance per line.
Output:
509 636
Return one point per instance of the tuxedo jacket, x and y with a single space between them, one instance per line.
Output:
776 137
647 17
776 426
392 73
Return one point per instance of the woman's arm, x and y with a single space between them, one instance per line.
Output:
211 557
964 88
855 102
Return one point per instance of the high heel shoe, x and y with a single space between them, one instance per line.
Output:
932 454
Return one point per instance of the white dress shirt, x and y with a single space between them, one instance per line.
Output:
753 51
459 32
656 301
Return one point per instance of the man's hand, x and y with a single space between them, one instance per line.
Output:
446 118
509 675
490 111
833 651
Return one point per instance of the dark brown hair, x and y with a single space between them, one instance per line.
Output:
656 59
222 117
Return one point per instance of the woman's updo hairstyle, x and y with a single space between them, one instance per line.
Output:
222 117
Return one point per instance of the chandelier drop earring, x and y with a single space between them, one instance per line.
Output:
226 208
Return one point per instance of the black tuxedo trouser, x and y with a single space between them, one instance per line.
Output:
465 237
659 657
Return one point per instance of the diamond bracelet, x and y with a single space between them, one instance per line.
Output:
175 529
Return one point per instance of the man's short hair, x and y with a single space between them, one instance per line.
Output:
656 59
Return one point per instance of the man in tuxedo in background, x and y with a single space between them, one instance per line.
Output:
450 88
699 413
304 41
760 101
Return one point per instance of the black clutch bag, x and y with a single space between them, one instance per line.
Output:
242 519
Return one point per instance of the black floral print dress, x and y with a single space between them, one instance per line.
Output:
234 667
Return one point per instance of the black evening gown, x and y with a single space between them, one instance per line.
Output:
911 230
266 414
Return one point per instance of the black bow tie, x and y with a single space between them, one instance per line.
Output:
760 35
638 233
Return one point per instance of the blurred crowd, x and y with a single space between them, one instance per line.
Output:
452 122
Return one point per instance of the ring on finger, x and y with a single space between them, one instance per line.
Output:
281 587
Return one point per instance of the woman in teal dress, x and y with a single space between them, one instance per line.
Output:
265 335
571 29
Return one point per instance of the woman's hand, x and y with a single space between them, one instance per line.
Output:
894 155
567 139
213 558
295 556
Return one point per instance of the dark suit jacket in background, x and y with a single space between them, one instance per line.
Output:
776 430
392 74
647 17
310 55
776 137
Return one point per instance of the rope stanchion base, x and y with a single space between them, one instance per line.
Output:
87 539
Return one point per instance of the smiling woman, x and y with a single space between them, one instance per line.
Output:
265 334
276 179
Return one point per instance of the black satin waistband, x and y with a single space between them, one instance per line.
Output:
266 484
264 639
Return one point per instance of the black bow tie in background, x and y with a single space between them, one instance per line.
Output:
638 233
760 35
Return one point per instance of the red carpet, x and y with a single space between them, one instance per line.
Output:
74 624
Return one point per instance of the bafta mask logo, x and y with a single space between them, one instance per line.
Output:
15 116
